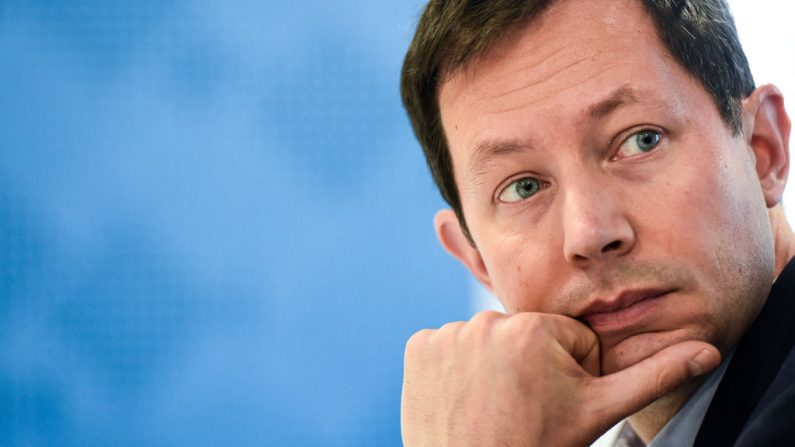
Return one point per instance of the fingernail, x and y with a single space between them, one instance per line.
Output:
700 363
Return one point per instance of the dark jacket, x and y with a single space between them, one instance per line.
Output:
755 402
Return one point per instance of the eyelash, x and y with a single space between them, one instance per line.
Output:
545 184
634 133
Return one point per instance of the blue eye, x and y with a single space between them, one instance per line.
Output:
640 142
521 189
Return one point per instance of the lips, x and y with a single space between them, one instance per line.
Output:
629 308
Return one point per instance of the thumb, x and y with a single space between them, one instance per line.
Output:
627 391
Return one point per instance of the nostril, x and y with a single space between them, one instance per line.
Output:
615 245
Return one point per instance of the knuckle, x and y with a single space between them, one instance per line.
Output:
666 379
486 317
659 385
449 329
420 336
448 335
443 338
529 325
480 328
417 342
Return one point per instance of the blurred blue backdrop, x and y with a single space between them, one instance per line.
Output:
215 223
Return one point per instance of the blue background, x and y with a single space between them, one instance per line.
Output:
215 223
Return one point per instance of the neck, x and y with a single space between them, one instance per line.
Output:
650 420
783 236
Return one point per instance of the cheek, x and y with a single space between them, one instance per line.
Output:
738 214
521 271
687 221
708 203
727 240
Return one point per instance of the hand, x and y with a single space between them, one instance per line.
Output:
528 379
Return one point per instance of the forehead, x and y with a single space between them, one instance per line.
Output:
556 69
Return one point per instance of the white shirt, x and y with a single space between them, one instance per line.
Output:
682 429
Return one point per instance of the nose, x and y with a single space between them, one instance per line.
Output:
596 226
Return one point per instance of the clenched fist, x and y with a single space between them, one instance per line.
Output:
528 379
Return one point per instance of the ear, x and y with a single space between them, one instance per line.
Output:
766 129
453 239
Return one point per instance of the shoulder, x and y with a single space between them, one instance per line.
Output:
773 420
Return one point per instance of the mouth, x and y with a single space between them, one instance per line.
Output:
628 309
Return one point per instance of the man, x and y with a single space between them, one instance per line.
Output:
615 179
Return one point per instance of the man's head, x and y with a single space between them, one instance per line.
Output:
699 34
595 164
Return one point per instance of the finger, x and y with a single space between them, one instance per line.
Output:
578 340
627 391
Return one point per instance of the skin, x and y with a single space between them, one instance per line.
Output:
697 216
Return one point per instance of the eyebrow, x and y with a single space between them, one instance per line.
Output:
487 151
624 95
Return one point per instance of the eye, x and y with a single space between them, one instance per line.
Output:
521 189
640 143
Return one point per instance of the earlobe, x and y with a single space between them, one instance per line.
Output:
453 239
767 130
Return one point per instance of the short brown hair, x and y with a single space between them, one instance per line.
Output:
700 34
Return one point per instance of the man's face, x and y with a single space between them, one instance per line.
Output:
599 181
